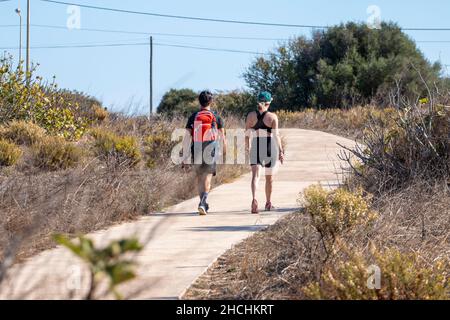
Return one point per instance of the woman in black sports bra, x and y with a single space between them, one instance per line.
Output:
261 147
265 148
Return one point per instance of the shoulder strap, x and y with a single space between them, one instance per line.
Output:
261 115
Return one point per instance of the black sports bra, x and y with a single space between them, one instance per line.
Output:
260 125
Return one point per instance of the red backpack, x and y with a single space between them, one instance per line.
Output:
205 126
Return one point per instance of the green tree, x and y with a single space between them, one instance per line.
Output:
234 103
178 102
343 66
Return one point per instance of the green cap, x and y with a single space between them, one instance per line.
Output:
265 96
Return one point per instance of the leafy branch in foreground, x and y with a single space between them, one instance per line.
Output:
108 262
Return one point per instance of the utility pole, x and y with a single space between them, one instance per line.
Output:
28 42
151 76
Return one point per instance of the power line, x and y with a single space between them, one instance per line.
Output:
96 45
180 35
161 34
216 20
185 17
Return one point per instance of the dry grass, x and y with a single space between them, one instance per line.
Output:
91 195
348 123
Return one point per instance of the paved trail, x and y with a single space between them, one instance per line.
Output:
180 245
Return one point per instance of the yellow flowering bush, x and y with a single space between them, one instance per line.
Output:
157 148
403 276
54 153
112 148
38 102
335 212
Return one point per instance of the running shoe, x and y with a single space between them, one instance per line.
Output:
203 209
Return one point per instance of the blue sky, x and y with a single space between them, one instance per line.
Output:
119 75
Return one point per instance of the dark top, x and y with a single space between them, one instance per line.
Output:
190 123
260 125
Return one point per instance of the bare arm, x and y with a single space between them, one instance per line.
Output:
276 132
248 128
187 140
223 139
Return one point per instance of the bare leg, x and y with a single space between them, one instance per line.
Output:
204 183
204 186
255 180
207 183
269 186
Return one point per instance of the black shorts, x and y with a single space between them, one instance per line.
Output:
204 157
263 152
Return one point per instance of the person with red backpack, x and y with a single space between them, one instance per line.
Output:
205 129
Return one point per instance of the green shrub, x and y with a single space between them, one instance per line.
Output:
238 103
403 277
338 211
178 102
54 153
9 153
110 147
23 132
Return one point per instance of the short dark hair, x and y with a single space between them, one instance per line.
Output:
205 98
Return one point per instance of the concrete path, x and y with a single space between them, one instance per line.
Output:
180 245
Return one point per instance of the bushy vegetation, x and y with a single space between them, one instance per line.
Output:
415 146
336 212
55 153
22 132
9 153
182 103
57 111
178 103
344 66
117 150
402 277
158 148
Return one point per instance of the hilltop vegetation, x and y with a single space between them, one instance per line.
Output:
183 102
344 66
